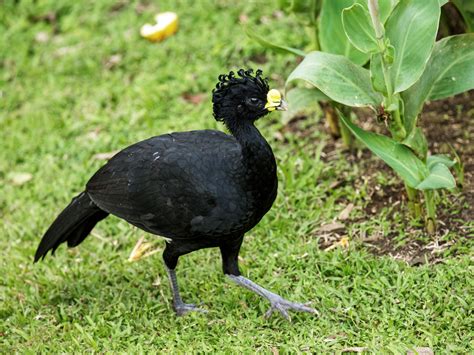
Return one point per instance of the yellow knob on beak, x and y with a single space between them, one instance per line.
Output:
275 102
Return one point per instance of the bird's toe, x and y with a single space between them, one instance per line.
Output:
279 308
183 308
283 306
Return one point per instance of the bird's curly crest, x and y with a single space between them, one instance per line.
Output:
229 82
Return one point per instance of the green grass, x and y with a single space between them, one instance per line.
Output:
60 104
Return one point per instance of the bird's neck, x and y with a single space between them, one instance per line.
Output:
260 172
256 152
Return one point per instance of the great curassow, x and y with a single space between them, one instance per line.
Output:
199 189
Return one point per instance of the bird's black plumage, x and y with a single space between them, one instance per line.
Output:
200 188
187 185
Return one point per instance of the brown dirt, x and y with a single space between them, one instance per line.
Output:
447 125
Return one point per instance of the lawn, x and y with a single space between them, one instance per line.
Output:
77 83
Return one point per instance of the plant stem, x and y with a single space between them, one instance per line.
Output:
390 99
312 29
392 102
374 15
331 119
345 132
401 131
413 202
430 204
386 76
336 127
316 37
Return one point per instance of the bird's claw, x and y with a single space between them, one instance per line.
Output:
183 308
283 306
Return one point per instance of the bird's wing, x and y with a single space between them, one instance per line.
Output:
164 181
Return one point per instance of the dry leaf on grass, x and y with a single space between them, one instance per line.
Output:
113 61
421 351
278 14
278 136
346 212
104 156
18 178
344 243
42 37
334 337
157 281
331 227
49 17
243 18
62 51
140 250
118 6
336 184
194 99
354 349
93 135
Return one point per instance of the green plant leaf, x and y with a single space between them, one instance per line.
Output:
399 157
439 178
457 53
439 159
385 8
389 54
376 73
332 37
450 71
466 8
358 28
303 100
300 97
416 140
411 29
300 5
273 46
284 4
338 78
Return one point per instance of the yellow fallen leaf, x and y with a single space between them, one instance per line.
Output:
166 26
344 243
140 250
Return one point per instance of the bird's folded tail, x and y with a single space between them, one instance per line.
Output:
72 225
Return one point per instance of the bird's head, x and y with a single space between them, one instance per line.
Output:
244 97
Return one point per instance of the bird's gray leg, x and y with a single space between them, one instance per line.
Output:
230 252
277 303
179 306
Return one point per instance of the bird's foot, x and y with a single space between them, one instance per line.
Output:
281 305
277 302
182 308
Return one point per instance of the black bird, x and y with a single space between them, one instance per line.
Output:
199 189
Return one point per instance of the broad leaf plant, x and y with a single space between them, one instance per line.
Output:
407 67
323 24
